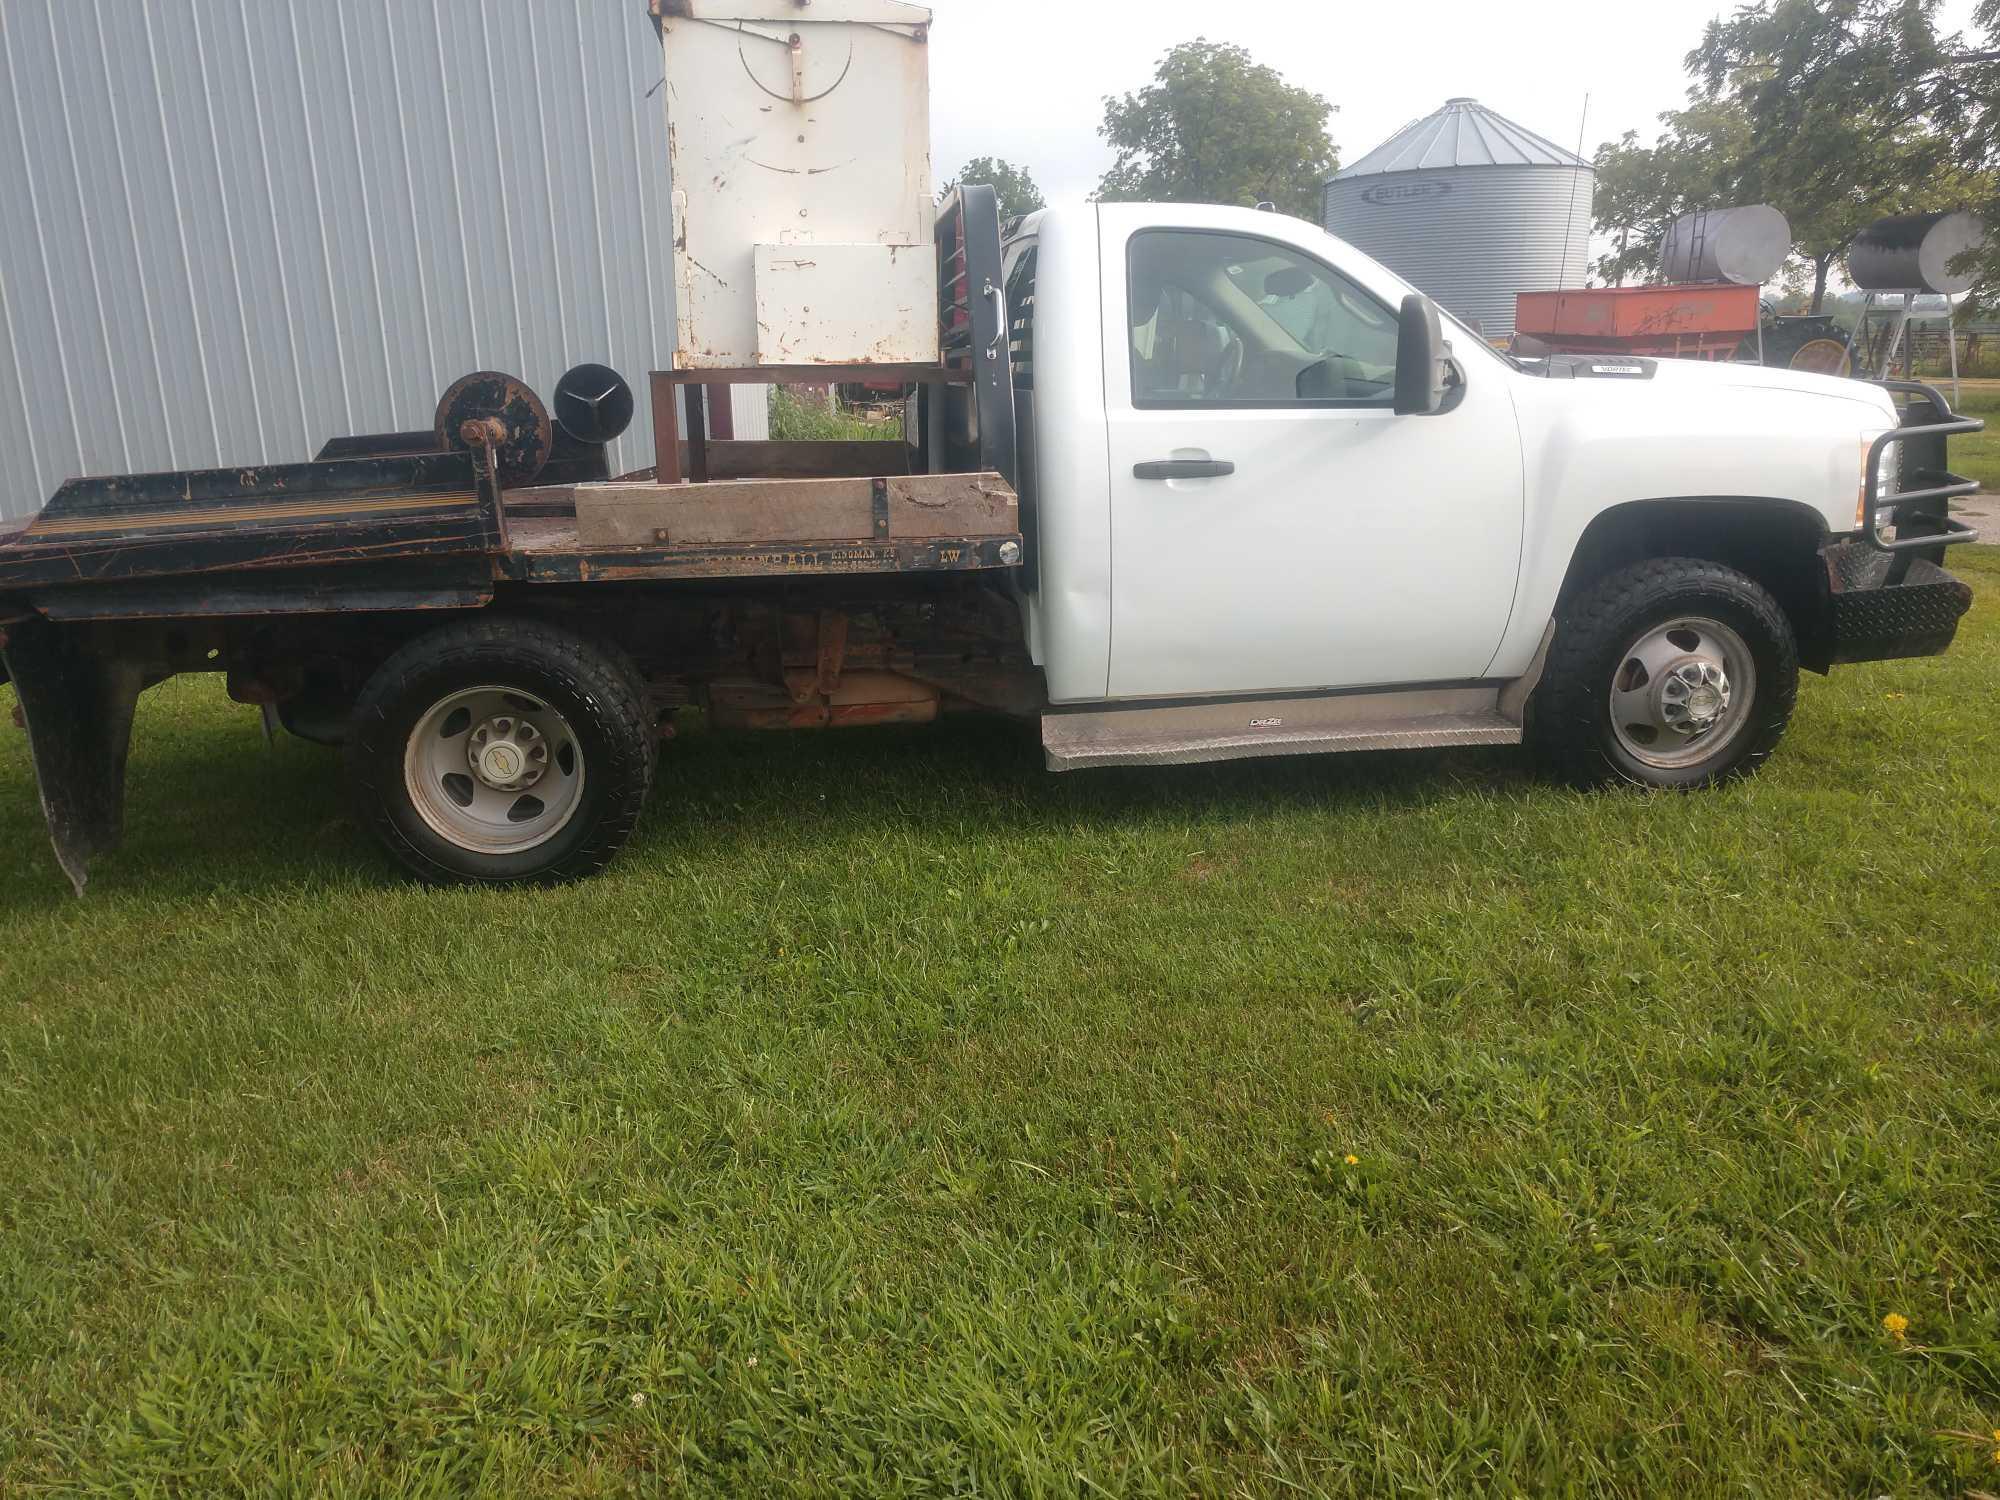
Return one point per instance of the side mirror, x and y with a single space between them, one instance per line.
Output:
1420 358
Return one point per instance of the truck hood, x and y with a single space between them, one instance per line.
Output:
1693 376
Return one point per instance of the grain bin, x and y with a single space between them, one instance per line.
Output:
1471 208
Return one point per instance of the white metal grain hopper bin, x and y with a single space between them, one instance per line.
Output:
798 144
1470 208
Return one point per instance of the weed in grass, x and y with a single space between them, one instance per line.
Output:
895 1118
796 420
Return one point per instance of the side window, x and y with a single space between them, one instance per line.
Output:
1020 291
1224 319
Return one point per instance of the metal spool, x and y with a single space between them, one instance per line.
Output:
1743 245
529 435
593 403
1914 252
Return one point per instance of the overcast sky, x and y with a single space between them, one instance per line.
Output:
1026 79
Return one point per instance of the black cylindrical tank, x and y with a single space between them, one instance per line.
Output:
1914 252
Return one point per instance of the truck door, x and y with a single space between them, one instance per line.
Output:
1274 524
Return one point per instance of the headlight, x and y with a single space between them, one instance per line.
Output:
1888 479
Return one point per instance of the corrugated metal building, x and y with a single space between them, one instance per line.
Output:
236 228
1471 208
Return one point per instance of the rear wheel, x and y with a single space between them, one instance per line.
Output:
501 751
1674 672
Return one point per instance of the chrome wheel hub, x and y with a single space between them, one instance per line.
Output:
1693 696
1682 692
494 770
507 753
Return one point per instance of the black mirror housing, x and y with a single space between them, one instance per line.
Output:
1420 358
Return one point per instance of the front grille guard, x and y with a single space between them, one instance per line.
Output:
1948 531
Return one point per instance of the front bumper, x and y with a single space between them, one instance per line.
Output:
1877 615
1894 598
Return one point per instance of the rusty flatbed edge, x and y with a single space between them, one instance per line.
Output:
26 569
402 585
544 549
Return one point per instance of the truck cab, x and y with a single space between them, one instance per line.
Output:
1231 504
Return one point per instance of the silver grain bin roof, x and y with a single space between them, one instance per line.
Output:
1471 208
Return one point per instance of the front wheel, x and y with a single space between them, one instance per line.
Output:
1674 672
501 751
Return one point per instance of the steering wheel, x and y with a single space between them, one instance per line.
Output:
1226 374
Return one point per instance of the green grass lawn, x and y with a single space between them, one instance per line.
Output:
897 1118
1977 455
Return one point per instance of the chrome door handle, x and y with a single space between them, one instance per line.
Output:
1183 468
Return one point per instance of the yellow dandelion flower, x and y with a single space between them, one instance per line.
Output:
1896 1323
1353 1160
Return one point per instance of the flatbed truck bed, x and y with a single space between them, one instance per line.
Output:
45 567
781 586
301 581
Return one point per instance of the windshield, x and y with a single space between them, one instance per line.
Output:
1462 334
1314 314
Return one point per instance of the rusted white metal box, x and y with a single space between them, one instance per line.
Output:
798 142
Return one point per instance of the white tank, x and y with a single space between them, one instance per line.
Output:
798 145
1743 245
1470 208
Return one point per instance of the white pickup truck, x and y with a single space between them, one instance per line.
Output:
1271 501
1190 483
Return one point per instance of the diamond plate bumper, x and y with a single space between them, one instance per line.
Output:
1875 619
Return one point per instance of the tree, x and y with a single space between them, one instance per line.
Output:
1848 116
1012 185
1641 190
1216 127
1964 99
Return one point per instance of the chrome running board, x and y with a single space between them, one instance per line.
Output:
1239 729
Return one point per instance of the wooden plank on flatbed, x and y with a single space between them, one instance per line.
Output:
546 550
758 511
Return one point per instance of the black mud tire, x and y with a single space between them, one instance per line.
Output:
590 683
1569 718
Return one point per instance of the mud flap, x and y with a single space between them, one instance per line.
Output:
78 707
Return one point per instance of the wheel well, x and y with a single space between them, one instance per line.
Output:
1776 542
